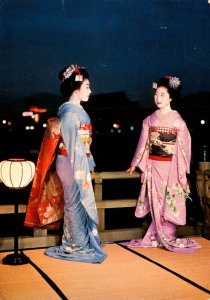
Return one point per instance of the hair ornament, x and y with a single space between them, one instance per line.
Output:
78 77
154 85
174 82
70 70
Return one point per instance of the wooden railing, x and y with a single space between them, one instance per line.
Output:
44 238
102 205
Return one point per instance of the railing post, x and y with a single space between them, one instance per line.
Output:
98 187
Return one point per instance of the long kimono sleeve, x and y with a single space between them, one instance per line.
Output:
142 149
184 153
79 162
140 160
69 128
91 162
177 187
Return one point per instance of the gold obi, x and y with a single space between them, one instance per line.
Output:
161 143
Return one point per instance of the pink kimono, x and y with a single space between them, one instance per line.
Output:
163 155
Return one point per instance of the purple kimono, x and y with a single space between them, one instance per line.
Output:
163 155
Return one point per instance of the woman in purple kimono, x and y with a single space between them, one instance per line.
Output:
163 155
74 162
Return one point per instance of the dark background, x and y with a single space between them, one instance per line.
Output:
125 45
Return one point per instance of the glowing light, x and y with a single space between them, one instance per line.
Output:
36 118
4 121
31 128
44 125
27 114
37 109
203 122
116 125
9 123
131 128
16 173
27 128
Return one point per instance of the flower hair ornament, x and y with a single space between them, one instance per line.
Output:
174 82
70 70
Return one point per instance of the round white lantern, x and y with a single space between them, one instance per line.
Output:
17 173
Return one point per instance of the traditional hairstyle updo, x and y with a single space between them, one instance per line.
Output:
173 85
71 79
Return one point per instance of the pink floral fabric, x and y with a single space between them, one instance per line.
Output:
164 186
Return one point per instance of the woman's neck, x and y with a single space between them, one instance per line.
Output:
74 99
165 110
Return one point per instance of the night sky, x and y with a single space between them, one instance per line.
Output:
124 44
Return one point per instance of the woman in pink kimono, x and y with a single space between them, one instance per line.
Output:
163 156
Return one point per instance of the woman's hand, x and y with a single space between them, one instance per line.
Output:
92 171
131 170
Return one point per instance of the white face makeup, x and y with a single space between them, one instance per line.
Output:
162 98
84 91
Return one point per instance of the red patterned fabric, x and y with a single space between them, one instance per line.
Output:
45 206
163 129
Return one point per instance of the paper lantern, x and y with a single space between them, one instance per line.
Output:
17 173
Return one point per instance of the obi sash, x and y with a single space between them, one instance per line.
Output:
46 204
85 132
161 143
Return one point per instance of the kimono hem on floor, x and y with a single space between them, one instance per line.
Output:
163 156
76 205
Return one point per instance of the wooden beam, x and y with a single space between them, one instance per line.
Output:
7 243
119 203
9 209
115 175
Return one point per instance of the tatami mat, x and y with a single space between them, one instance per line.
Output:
195 267
122 276
23 283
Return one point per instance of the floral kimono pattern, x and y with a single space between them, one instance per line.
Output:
163 156
45 205
74 161
80 240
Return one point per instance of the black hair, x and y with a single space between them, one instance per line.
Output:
69 85
173 90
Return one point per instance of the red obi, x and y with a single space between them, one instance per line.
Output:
161 143
86 127
47 192
85 132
